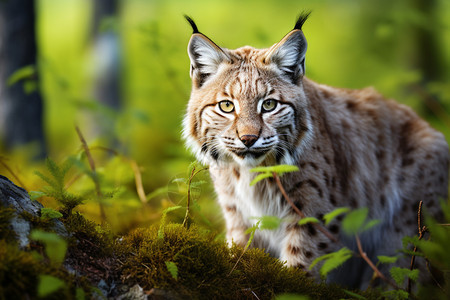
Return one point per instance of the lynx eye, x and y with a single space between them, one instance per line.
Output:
226 106
269 105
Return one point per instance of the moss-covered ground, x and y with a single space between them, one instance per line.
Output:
184 263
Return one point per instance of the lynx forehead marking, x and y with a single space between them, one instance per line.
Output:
353 148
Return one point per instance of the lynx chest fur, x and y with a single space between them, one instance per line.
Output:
254 107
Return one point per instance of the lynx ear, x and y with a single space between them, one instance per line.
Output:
205 56
289 54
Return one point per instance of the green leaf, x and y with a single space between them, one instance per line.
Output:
354 295
158 192
47 179
253 228
48 285
34 195
180 180
412 253
55 246
50 213
269 222
406 240
308 220
335 261
172 268
280 169
163 220
387 259
252 231
30 86
260 177
396 294
198 183
354 221
333 214
370 224
332 260
291 297
171 208
26 72
80 294
399 274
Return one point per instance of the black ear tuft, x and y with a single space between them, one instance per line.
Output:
194 27
301 20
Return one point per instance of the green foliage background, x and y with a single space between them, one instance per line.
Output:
352 44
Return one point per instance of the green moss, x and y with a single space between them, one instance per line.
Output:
99 240
201 265
205 267
6 233
20 270
37 222
19 275
201 261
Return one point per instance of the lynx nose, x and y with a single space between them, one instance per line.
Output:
248 139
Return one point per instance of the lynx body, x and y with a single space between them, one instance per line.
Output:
254 107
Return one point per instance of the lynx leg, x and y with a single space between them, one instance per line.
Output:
236 226
293 250
302 244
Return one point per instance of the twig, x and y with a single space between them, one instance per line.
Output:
422 230
370 263
299 212
254 294
188 207
92 166
138 180
137 173
249 242
331 237
237 261
188 204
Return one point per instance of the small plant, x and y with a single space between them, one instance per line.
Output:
56 185
163 220
194 170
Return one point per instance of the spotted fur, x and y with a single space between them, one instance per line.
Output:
353 147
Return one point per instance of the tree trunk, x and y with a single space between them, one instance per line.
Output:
108 62
21 112
427 53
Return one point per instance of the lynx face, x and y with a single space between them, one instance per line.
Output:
246 104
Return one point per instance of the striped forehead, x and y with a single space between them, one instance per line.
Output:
247 82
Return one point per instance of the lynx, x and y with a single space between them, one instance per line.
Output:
254 107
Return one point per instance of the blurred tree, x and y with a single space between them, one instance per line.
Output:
427 51
107 62
408 34
21 105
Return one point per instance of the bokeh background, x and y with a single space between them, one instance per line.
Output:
120 72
